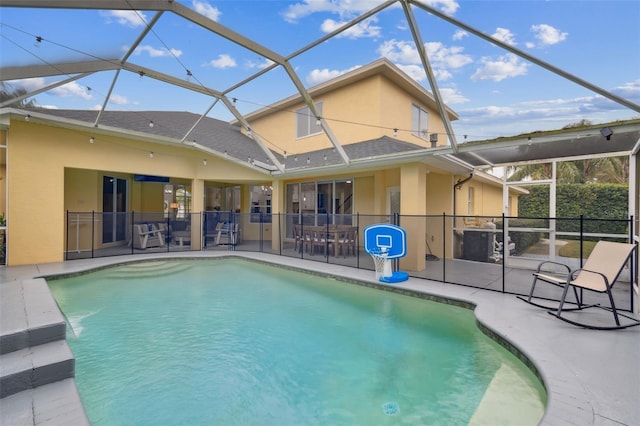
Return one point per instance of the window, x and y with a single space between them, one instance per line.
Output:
419 122
313 203
177 201
306 122
261 204
470 201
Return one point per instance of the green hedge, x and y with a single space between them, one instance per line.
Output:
603 206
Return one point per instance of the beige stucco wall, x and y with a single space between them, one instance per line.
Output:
55 169
368 109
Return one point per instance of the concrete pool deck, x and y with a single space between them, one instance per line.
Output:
592 377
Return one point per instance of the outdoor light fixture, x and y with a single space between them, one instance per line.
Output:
395 132
204 162
318 121
308 160
92 139
606 132
27 117
151 154
285 155
150 123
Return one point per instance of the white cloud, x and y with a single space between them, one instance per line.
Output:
207 10
403 52
119 100
129 18
459 35
29 84
157 53
442 58
318 76
452 96
505 36
548 35
72 89
349 8
629 91
223 61
416 72
447 6
363 29
264 63
506 66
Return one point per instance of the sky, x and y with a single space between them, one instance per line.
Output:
495 92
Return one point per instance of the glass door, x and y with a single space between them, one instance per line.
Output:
114 209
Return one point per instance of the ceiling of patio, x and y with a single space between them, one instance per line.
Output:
614 139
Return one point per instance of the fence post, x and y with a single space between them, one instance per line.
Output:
93 231
444 243
505 251
581 239
66 254
358 240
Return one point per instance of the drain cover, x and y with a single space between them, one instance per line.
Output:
390 408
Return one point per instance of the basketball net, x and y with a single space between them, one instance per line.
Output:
382 264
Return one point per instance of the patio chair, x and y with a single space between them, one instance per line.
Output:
599 274
147 235
230 231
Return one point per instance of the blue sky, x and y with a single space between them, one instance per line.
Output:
495 92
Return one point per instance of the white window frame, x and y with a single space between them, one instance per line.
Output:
304 118
419 122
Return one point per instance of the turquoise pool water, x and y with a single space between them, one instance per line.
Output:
233 342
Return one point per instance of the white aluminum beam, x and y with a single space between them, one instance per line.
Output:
528 57
417 39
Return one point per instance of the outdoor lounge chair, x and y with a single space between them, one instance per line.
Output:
147 235
599 274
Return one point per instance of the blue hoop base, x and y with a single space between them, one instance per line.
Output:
396 277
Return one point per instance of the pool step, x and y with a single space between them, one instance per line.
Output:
29 316
56 404
35 366
148 269
33 349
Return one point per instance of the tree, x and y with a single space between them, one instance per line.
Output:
8 93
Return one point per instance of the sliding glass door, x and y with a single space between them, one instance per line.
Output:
114 209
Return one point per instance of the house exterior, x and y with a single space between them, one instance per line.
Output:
369 151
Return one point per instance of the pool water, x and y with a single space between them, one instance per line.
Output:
234 342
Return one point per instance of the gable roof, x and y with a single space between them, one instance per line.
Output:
381 66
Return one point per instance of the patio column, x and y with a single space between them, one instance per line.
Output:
413 202
277 219
197 207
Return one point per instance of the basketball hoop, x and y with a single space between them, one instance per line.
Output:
382 264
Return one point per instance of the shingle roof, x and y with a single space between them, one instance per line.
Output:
219 135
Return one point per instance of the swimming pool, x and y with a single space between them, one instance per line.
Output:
237 342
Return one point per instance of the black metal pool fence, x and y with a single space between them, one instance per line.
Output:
462 250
